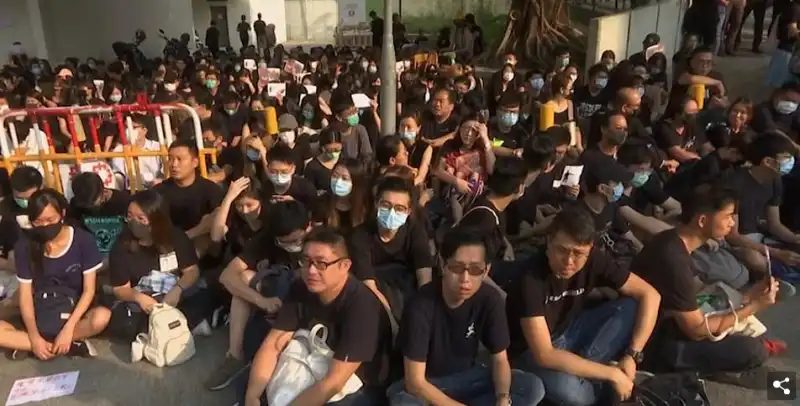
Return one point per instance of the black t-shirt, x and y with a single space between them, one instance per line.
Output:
128 264
300 189
233 122
416 152
665 264
318 174
239 232
706 170
447 339
260 27
690 137
512 139
188 205
9 228
358 326
432 130
261 251
538 292
609 222
586 104
789 16
766 119
105 222
483 217
409 247
754 197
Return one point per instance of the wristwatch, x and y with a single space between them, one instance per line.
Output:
637 356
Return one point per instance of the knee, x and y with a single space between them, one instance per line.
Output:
570 390
100 318
753 352
526 388
752 259
6 326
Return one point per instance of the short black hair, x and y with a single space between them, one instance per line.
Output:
25 178
707 198
393 184
86 189
634 154
576 222
286 217
281 153
508 175
203 98
387 148
188 144
539 152
330 237
768 145
597 68
458 237
510 99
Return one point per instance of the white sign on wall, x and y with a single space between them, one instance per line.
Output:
352 12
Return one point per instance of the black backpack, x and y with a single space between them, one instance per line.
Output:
672 389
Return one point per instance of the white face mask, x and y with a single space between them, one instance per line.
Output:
171 87
287 137
262 65
573 77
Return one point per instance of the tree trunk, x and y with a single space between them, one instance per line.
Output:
535 28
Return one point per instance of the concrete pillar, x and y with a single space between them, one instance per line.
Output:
39 45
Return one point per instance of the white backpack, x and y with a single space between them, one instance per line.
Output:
303 362
168 340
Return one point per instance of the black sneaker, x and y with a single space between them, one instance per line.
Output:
82 348
755 378
19 355
225 373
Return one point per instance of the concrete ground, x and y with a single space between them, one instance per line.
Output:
111 380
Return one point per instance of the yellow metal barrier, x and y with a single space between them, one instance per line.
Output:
698 93
547 113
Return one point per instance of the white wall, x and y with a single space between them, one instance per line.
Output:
15 26
84 28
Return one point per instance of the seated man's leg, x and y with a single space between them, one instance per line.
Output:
464 387
733 353
600 334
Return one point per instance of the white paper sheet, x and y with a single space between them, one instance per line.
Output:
39 388
361 101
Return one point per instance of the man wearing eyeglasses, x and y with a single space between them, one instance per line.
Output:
359 328
570 347
443 327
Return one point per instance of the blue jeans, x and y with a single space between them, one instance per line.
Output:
600 334
474 387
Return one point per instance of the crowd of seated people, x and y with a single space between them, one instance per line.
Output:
469 258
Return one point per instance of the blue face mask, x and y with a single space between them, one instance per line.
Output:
617 192
508 119
640 178
537 83
22 203
409 135
308 115
390 219
341 187
253 154
787 166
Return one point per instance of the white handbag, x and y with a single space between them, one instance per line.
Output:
750 326
303 362
168 341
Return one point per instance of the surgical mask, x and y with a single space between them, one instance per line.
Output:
251 216
390 219
507 76
601 82
211 83
45 234
287 137
21 202
313 65
292 248
640 90
253 154
787 166
333 154
617 137
364 65
341 187
537 83
609 65
171 87
116 98
372 69
139 230
406 64
308 115
352 120
262 65
280 179
230 112
786 107
237 68
508 119
618 190
409 135
37 71
640 178
564 62
573 77
427 96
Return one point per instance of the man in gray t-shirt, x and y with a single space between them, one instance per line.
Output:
355 139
